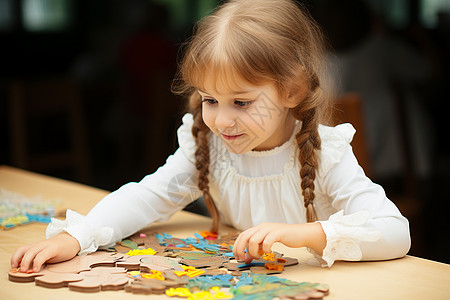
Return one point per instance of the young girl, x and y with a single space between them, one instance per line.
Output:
254 146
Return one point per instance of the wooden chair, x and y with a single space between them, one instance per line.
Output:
348 109
37 110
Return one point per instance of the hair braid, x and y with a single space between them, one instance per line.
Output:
309 142
200 132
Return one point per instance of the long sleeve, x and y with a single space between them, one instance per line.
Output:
368 226
135 205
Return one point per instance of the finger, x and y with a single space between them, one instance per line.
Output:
29 256
254 243
43 256
238 246
270 239
248 258
241 243
16 258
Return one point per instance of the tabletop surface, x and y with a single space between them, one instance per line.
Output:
406 278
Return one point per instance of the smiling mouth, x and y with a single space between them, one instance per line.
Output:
231 137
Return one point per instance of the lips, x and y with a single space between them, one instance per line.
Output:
232 136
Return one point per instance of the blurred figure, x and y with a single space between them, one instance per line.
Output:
381 68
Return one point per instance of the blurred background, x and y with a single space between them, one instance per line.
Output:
85 92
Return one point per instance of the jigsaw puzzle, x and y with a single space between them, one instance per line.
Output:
197 267
16 210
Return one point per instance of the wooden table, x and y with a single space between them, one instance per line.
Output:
406 278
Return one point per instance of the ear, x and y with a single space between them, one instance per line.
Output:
296 97
298 90
292 101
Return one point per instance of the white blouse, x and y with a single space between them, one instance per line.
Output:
359 221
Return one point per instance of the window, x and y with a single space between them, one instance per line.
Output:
46 15
430 9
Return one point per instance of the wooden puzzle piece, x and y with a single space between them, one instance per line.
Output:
56 280
59 274
154 286
241 266
262 266
233 266
287 261
120 249
310 291
147 286
228 238
161 263
171 276
273 287
131 263
101 278
85 262
16 276
264 270
45 278
128 243
194 255
153 262
139 240
277 291
215 271
214 261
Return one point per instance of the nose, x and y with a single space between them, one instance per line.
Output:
225 118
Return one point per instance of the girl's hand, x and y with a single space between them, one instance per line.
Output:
263 236
31 257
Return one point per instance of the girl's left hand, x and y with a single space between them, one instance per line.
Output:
263 236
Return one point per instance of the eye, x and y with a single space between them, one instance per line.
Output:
209 100
242 103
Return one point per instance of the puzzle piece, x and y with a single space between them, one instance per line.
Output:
86 262
264 270
269 287
44 278
215 261
192 255
262 266
16 276
154 286
101 279
131 263
148 241
57 280
17 210
73 266
161 263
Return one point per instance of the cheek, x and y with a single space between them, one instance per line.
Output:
208 116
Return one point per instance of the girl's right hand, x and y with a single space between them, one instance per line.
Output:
56 249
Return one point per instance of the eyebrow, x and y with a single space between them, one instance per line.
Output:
234 92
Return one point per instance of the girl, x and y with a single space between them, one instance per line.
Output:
254 147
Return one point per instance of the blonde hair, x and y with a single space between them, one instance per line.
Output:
260 41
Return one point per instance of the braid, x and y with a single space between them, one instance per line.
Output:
200 132
309 142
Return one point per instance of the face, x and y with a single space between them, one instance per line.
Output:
247 117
